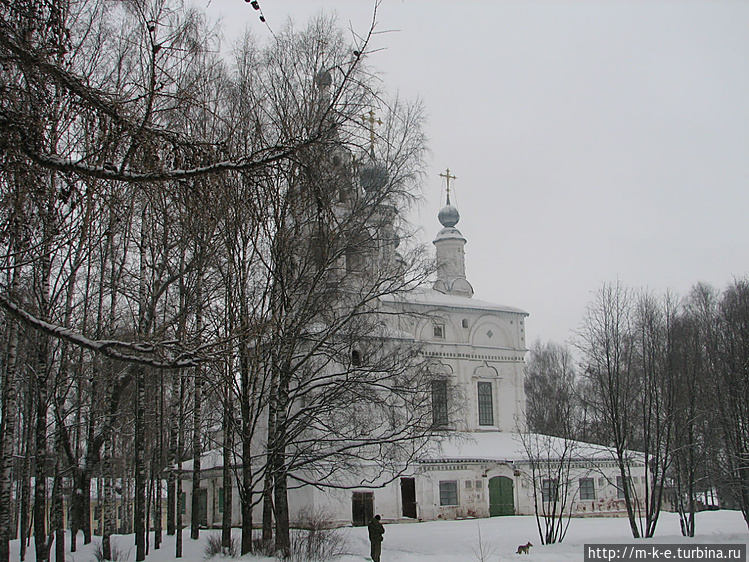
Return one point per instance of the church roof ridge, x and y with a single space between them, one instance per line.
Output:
430 297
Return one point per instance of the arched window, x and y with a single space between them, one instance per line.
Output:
356 358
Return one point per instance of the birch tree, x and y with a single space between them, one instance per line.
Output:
607 343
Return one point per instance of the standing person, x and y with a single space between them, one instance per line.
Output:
376 530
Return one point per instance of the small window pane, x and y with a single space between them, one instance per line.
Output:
439 331
448 492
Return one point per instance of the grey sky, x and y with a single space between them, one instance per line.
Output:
592 139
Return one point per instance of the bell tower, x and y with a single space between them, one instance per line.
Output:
450 245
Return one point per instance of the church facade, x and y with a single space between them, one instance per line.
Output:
478 464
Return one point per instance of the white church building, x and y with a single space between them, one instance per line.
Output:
480 466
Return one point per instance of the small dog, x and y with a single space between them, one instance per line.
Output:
524 548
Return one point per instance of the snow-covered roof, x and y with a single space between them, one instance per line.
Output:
432 298
208 460
496 446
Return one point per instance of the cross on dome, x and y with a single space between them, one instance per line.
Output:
448 215
372 122
448 177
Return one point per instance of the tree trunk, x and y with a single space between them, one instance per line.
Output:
180 446
228 446
107 512
25 523
247 495
159 462
157 511
172 498
40 472
196 454
140 466
80 503
268 503
279 468
268 508
57 513
281 505
7 437
147 519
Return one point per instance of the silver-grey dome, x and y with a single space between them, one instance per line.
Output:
449 215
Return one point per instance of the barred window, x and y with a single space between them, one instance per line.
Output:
486 408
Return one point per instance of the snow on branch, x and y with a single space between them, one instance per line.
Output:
157 355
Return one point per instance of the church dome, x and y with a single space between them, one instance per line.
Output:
449 215
373 176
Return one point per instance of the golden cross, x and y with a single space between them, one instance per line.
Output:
372 122
448 177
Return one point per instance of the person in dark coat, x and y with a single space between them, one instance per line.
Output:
376 530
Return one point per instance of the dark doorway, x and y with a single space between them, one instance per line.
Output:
501 496
202 515
408 497
362 508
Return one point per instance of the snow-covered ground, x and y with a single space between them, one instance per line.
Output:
457 541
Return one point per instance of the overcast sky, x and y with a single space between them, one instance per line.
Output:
592 140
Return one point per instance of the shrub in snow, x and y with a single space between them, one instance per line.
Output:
317 539
213 547
118 554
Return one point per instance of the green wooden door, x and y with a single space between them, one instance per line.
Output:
501 496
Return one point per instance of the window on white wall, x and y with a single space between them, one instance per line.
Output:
486 406
439 404
550 490
448 492
438 331
620 487
356 358
587 489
